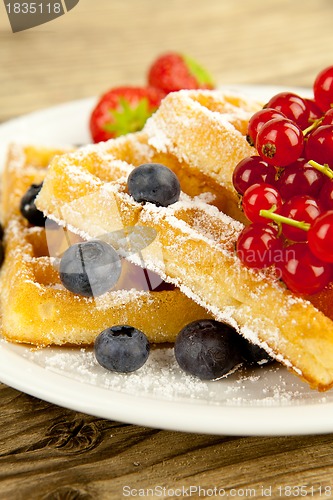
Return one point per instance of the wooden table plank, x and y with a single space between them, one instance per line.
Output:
47 450
87 50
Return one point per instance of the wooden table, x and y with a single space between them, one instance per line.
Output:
48 452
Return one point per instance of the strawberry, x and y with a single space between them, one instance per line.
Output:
172 72
122 110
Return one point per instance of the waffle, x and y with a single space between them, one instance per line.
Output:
36 308
194 250
204 132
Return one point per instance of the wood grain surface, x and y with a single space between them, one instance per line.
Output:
48 452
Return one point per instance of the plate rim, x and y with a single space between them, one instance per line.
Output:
220 419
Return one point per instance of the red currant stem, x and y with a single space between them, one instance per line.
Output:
280 219
313 125
325 169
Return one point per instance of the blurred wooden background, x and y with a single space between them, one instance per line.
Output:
47 452
102 43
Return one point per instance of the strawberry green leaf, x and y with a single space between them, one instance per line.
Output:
127 117
200 74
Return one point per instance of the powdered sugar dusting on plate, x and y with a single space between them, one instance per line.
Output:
162 378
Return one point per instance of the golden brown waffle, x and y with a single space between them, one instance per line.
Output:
204 132
194 250
35 306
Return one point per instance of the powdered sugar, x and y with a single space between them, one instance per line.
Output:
162 378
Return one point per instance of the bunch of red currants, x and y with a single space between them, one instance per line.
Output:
287 190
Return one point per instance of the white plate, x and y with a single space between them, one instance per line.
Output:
265 401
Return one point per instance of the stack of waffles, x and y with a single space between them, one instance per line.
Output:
200 135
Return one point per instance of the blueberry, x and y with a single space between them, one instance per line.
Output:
253 354
90 268
207 349
28 208
154 183
122 348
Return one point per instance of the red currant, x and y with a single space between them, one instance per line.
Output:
303 272
280 142
321 237
314 109
252 170
292 106
326 195
323 88
328 117
300 178
319 146
260 197
258 245
299 208
258 120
